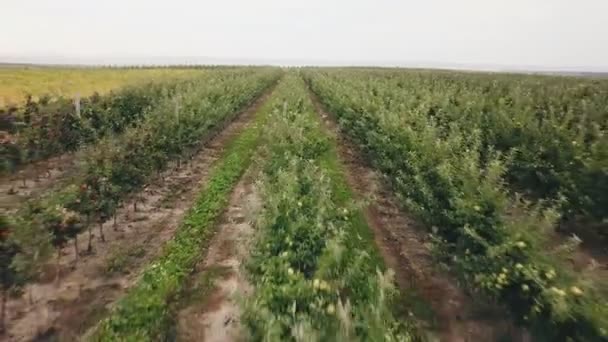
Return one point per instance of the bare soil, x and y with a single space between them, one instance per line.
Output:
39 177
405 248
86 291
593 248
589 259
209 310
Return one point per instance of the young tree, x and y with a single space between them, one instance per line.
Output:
85 205
63 225
8 275
34 246
105 206
10 153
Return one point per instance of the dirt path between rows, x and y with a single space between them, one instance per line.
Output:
209 308
39 177
86 292
590 258
404 246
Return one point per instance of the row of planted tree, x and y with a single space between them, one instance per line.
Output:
313 278
49 126
316 277
171 127
455 147
147 311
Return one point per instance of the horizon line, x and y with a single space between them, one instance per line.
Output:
132 60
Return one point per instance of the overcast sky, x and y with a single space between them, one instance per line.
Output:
542 33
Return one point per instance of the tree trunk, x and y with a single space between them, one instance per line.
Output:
115 226
3 311
135 205
24 180
103 238
76 248
58 267
90 247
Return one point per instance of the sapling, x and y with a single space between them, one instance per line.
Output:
12 155
8 276
63 225
105 204
85 206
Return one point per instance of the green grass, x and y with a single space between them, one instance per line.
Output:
122 259
330 162
197 293
409 301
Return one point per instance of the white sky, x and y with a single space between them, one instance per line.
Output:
543 33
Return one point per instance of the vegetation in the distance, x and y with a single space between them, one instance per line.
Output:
45 128
552 128
58 82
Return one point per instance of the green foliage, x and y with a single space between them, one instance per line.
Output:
8 276
310 282
121 259
121 164
8 250
43 129
554 127
143 314
442 141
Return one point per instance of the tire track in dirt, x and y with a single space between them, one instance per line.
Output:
209 307
405 248
47 311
